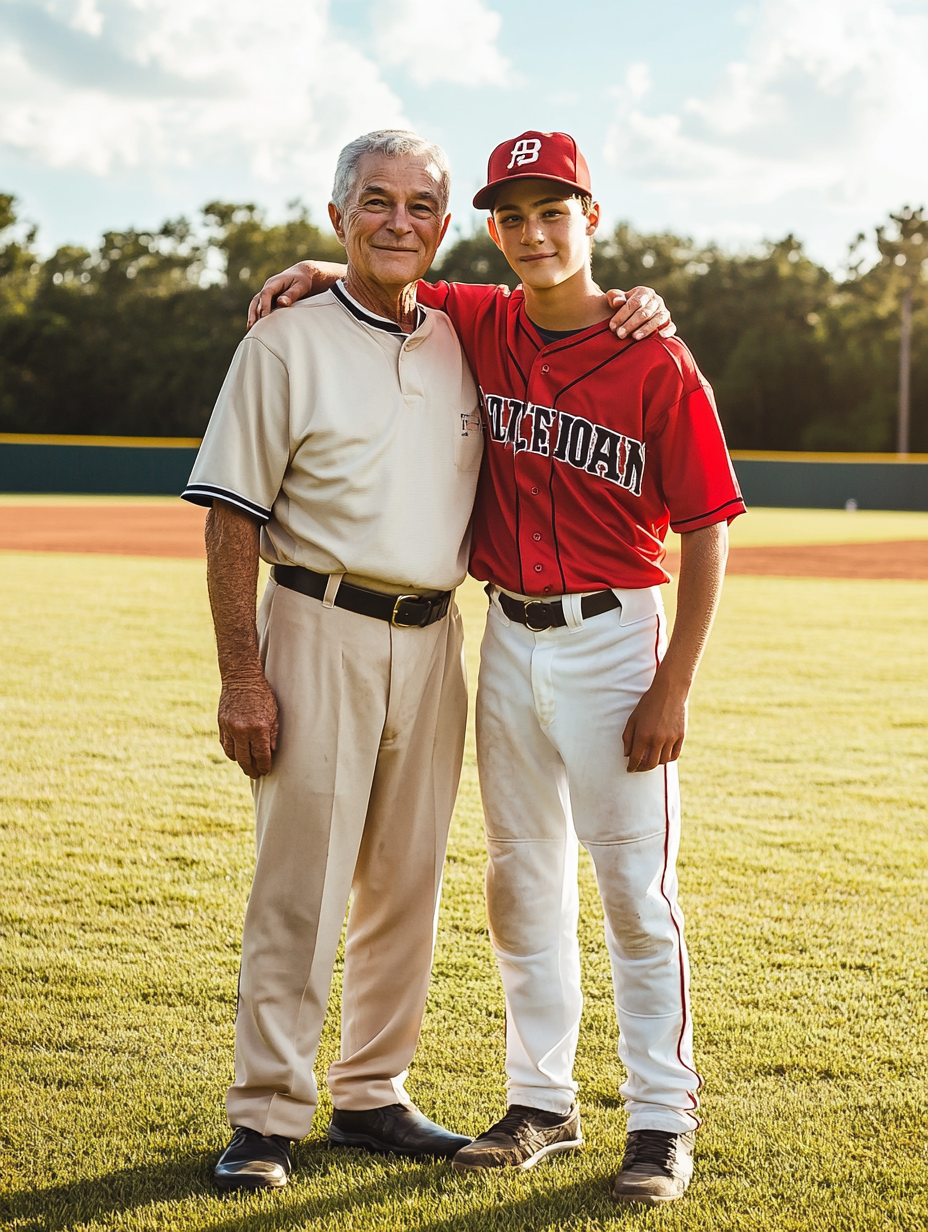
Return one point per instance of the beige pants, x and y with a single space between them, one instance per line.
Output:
358 803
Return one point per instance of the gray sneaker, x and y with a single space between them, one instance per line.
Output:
657 1167
520 1139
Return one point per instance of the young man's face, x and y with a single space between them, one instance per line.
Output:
544 235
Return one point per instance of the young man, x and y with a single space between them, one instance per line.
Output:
593 447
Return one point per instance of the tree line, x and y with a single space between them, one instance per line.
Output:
133 337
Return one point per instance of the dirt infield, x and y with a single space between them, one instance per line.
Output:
177 530
903 559
119 530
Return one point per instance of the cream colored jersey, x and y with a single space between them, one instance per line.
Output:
357 446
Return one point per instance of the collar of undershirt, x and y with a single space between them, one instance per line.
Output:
350 304
551 337
556 335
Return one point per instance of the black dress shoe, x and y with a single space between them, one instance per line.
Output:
252 1161
395 1130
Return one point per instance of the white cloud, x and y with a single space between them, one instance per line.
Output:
87 17
101 85
830 101
438 41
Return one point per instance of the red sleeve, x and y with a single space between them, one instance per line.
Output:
461 300
697 478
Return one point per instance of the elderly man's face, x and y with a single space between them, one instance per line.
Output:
392 224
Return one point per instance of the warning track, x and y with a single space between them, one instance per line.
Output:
902 559
177 530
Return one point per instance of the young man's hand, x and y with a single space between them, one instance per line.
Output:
655 732
640 312
294 283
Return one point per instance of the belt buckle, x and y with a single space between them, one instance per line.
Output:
543 610
401 624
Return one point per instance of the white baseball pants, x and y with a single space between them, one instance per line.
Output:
358 803
551 709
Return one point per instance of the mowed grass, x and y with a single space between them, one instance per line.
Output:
126 853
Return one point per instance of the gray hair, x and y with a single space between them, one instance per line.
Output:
393 143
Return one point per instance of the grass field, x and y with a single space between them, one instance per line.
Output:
126 850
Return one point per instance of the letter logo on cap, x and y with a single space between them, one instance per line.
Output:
524 151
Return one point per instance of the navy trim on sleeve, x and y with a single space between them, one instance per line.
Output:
735 500
206 493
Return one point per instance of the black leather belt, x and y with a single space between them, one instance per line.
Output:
539 615
404 611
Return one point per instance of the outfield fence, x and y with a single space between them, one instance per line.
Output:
159 466
96 465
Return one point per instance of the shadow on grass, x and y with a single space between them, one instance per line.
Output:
479 1201
59 1207
410 1197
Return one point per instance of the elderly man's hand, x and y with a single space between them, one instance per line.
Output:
248 724
639 313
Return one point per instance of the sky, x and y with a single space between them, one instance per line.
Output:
719 120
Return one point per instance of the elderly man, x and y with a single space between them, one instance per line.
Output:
346 437
344 449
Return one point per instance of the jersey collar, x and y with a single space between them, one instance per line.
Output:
582 335
350 304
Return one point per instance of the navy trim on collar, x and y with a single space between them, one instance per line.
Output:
368 318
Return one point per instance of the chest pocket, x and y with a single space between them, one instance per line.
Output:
468 444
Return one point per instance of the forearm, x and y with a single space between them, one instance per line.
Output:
232 577
703 554
656 729
323 274
639 312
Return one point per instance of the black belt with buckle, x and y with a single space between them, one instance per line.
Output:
539 615
403 611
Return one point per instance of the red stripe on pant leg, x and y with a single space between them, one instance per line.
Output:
673 919
666 899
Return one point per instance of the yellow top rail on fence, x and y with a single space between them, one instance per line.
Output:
123 442
773 455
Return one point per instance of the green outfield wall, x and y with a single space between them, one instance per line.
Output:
830 480
96 465
159 466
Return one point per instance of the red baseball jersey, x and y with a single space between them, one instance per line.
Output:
594 446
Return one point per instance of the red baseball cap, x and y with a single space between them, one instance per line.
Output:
535 156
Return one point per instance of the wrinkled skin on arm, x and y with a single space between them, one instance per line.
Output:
656 730
247 706
639 312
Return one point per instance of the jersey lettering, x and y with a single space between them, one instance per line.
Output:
579 442
542 418
493 404
634 466
516 411
605 453
564 424
524 151
582 444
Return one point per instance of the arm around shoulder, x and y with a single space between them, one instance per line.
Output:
295 283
